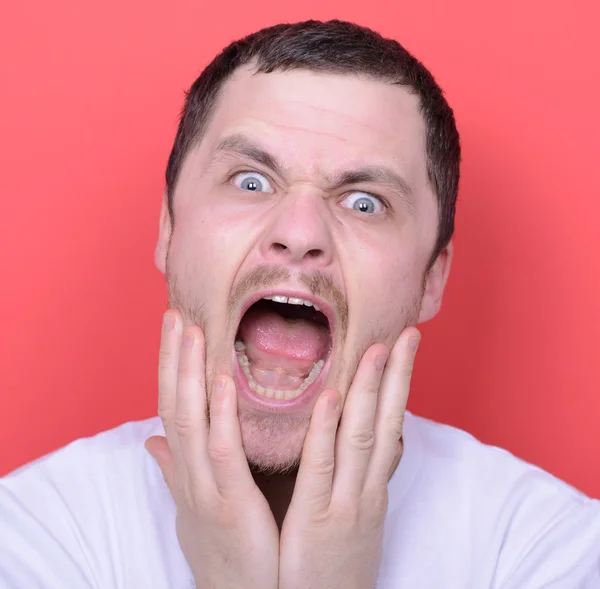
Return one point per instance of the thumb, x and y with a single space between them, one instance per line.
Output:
158 448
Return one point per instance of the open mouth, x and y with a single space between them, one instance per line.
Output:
282 345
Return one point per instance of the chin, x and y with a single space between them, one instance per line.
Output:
273 442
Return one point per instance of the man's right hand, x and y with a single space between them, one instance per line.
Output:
225 527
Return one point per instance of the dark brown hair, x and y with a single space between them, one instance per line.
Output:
334 47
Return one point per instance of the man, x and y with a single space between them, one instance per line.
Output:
305 230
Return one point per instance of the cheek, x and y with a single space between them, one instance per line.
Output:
401 301
192 265
391 271
203 242
389 291
206 249
221 227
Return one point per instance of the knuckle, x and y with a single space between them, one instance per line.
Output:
321 465
368 388
165 356
407 368
371 389
187 376
185 426
182 369
362 439
219 454
165 407
395 425
165 412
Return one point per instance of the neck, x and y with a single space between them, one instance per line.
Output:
278 490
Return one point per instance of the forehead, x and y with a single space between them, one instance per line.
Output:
314 119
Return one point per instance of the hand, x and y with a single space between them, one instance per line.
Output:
333 531
224 525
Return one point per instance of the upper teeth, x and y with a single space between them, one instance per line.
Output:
292 301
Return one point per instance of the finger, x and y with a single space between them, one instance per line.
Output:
394 390
225 450
168 363
395 462
191 411
158 448
315 475
356 433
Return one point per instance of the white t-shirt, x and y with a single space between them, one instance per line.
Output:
97 513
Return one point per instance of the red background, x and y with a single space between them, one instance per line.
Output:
90 98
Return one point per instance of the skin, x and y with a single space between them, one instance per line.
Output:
321 526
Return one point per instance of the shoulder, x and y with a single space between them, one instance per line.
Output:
100 473
71 506
525 526
100 459
449 452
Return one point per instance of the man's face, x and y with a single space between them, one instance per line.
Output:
314 188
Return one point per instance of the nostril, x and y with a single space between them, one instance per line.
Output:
296 252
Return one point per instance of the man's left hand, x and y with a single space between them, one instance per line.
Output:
332 534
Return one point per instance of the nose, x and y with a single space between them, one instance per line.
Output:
299 232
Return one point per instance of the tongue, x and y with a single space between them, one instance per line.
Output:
275 341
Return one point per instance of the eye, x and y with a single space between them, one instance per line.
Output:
252 181
363 202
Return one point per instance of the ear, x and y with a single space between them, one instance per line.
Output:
435 284
164 236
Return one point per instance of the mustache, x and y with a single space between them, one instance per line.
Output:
319 284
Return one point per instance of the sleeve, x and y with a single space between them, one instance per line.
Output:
564 554
40 544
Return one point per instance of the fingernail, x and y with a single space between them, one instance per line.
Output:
219 384
169 322
380 361
413 342
188 340
334 404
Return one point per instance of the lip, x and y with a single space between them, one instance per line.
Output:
325 307
265 404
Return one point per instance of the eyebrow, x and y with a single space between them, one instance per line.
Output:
240 145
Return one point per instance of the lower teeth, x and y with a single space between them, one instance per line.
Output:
276 393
